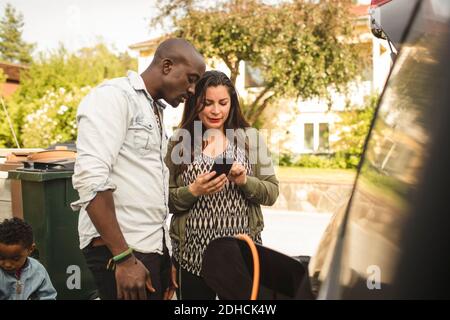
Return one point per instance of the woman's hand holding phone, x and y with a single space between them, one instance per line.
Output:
206 183
238 174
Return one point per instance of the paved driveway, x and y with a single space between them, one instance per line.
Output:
293 233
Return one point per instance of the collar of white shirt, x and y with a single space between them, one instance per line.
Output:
137 83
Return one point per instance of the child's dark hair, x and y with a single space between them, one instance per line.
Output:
16 231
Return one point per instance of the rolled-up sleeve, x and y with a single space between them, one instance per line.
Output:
102 120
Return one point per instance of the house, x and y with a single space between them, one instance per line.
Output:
12 72
313 128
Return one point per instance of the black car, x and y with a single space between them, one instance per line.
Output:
392 240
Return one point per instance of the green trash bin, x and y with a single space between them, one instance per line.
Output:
46 198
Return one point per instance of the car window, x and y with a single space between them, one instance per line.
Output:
400 151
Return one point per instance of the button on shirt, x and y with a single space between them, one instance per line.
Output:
121 148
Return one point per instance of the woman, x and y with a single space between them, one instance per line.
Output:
205 206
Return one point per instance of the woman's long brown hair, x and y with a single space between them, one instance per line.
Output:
196 103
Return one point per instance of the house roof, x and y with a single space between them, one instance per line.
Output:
149 44
360 10
12 70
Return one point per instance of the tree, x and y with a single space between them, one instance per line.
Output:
43 108
63 69
12 47
4 125
303 48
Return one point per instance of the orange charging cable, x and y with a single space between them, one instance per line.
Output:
256 266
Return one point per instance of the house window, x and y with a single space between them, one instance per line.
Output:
316 137
309 136
324 133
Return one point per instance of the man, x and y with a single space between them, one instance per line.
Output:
121 176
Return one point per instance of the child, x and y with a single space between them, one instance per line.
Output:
21 277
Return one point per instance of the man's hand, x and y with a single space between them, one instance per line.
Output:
168 295
133 279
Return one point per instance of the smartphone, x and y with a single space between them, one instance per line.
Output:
222 166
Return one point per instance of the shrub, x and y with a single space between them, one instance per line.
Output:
55 118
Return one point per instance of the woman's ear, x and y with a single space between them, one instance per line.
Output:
167 66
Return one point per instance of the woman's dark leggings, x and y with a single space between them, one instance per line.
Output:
192 287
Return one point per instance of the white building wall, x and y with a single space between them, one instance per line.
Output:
143 63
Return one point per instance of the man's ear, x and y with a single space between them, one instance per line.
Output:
167 65
32 248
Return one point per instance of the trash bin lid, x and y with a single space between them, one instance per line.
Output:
10 166
49 165
38 176
49 155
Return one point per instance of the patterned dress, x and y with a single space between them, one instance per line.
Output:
216 215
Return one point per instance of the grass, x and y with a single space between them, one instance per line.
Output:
315 174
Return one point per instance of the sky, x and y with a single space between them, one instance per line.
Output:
80 23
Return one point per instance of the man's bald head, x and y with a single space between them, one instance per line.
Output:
178 50
174 71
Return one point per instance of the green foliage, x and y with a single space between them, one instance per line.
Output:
314 161
297 45
53 80
12 47
2 115
6 137
54 119
285 160
232 33
353 130
63 69
331 161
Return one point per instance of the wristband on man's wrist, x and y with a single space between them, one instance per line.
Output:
122 255
120 258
